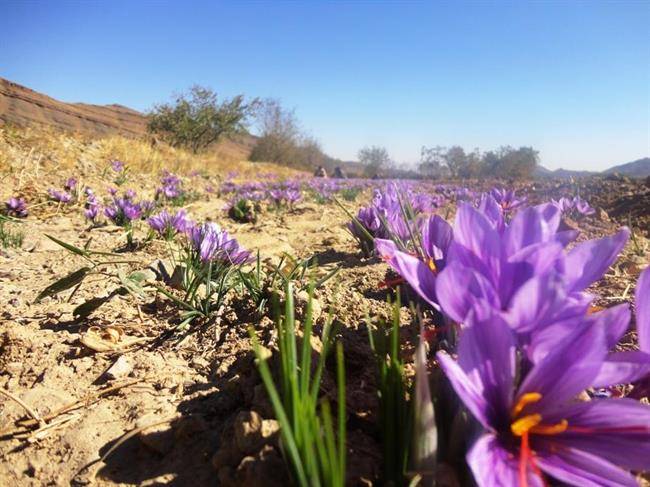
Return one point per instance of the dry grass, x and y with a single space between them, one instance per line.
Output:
34 156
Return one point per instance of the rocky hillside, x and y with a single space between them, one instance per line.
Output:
22 106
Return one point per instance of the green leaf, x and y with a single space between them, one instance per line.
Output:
84 310
64 283
67 246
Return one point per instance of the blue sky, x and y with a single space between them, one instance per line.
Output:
572 79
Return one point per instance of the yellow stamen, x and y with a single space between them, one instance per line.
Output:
432 265
550 429
525 424
524 400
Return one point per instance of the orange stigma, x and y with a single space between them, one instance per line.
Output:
432 266
524 426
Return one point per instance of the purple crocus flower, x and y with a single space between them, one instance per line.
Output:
92 212
213 244
582 207
117 166
507 199
70 184
517 268
533 423
123 211
60 196
167 225
421 270
16 207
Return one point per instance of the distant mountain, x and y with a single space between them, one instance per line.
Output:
635 169
543 172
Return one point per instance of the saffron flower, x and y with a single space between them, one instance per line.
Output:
507 199
117 166
522 270
60 196
213 244
171 186
576 206
421 270
70 184
167 225
123 211
16 207
93 206
533 424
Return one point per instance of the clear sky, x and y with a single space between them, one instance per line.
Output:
572 78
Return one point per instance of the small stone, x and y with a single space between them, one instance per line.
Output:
602 215
270 428
121 368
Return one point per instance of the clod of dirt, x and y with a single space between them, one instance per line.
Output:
266 468
247 428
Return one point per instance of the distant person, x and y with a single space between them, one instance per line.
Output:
320 172
338 173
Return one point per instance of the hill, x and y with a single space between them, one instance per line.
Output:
635 169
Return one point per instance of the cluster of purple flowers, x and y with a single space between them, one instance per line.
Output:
395 212
287 196
168 225
123 211
575 206
212 244
171 187
16 207
530 344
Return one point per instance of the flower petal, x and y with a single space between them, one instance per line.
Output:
412 269
459 288
580 468
623 368
617 430
588 261
474 232
494 466
642 302
531 226
568 370
487 354
471 393
436 237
